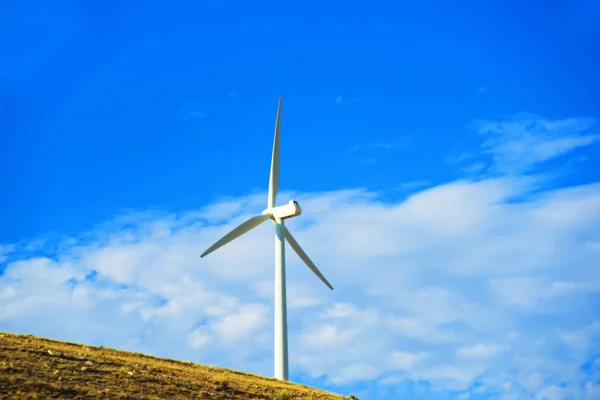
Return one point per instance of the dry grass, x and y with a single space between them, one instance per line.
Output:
37 368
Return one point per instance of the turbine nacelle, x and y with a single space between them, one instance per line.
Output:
289 210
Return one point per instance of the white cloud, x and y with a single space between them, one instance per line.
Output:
422 329
480 351
552 392
404 360
527 291
242 323
199 339
327 336
452 377
354 372
491 281
341 310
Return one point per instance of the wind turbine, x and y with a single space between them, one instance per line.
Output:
278 215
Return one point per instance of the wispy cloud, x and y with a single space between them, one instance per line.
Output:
358 153
459 158
396 144
518 145
523 143
196 113
456 286
5 250
412 185
352 150
191 110
369 153
344 101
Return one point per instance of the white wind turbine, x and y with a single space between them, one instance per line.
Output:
278 215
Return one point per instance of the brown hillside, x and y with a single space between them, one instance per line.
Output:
37 368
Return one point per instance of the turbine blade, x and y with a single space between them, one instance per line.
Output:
304 257
239 231
274 177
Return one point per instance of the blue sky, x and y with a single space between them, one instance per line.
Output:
445 155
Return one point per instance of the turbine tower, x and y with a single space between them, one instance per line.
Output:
277 215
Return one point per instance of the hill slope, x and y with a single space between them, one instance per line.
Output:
32 367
